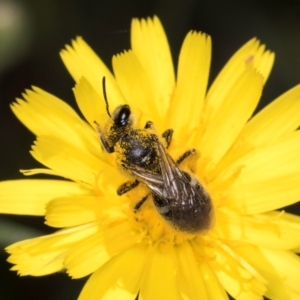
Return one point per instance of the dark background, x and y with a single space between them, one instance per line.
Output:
33 31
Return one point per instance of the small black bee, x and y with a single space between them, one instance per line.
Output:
178 197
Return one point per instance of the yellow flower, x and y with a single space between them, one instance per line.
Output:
248 165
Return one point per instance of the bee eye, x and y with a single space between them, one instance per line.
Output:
123 116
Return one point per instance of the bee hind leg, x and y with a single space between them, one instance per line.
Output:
140 203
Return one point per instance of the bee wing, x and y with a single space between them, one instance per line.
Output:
171 183
175 183
153 181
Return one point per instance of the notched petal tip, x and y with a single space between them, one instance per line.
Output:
192 79
150 45
149 21
73 45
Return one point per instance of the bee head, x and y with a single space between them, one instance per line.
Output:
121 116
119 125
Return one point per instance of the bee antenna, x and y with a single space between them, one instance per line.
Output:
104 95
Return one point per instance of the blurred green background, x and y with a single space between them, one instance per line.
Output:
33 31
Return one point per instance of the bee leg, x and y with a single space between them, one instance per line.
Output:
140 203
106 146
127 186
185 155
149 124
167 135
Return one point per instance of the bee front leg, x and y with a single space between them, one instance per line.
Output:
106 146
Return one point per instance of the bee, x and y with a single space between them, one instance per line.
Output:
179 199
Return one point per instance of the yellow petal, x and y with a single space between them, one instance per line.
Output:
213 286
45 255
135 85
269 177
263 61
86 257
289 220
279 115
45 114
150 45
234 111
251 54
118 279
271 123
261 230
156 286
286 218
29 197
91 104
280 268
190 279
67 160
77 210
188 98
239 279
40 265
73 211
265 195
81 60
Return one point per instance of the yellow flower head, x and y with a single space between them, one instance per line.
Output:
234 168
